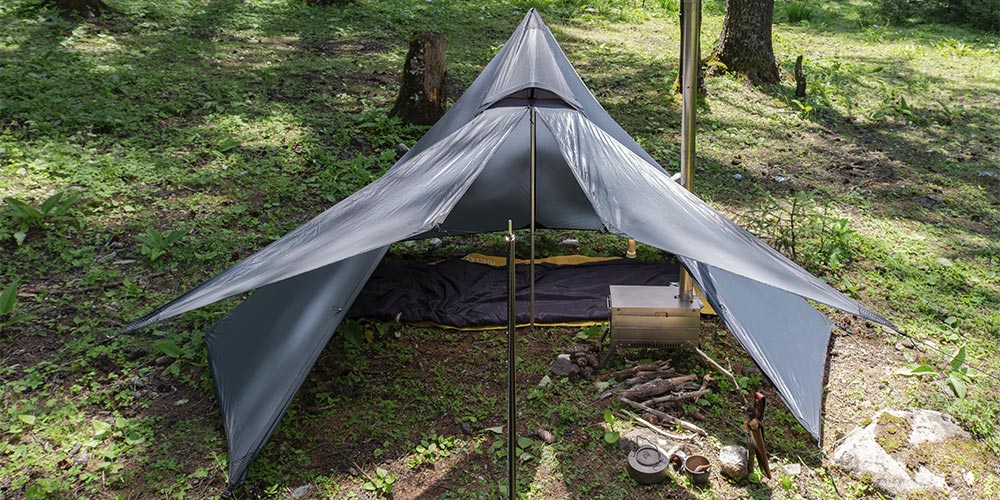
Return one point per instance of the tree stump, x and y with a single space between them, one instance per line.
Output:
800 79
422 96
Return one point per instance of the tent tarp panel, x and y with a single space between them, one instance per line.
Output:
785 335
424 190
262 351
641 201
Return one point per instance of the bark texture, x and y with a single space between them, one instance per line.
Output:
800 79
89 8
744 45
422 96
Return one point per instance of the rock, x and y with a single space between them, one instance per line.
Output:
733 462
928 200
570 242
466 428
792 469
933 426
581 361
866 451
780 179
587 372
563 366
163 361
434 242
992 175
545 435
81 459
302 491
969 477
738 177
929 480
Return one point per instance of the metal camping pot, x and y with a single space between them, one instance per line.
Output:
697 468
647 464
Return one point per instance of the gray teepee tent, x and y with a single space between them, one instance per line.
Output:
469 174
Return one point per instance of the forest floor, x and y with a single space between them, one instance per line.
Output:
234 121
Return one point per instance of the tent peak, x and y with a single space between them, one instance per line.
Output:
531 59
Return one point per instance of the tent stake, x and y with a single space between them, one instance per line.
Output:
531 243
511 361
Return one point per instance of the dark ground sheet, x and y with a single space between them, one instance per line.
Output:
466 294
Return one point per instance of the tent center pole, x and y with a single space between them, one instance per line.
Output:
690 62
531 242
511 362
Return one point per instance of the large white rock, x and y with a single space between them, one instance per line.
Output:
860 454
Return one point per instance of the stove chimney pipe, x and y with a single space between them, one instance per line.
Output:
690 62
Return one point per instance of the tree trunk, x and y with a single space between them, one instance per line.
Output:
89 8
422 96
744 45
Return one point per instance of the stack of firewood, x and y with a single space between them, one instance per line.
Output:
655 389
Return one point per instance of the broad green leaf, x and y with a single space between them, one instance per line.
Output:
169 348
22 210
228 144
134 438
609 417
524 442
19 237
51 203
956 362
101 428
66 204
8 296
155 238
28 419
914 370
495 430
173 236
611 437
957 384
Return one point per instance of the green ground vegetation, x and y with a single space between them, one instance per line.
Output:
143 152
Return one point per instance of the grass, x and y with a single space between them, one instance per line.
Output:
229 123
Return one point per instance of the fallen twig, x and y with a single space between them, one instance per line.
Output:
680 396
669 418
724 371
655 428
